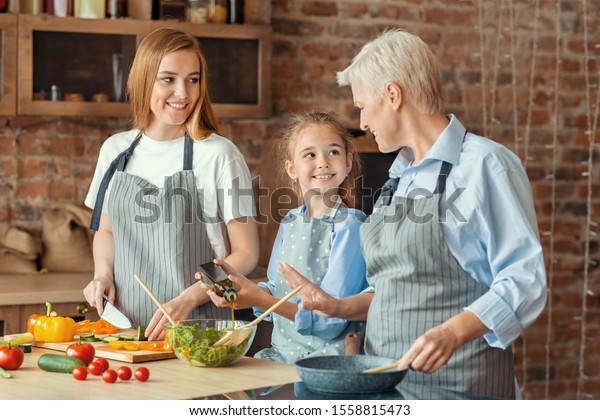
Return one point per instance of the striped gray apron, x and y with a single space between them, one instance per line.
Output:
419 285
306 243
160 234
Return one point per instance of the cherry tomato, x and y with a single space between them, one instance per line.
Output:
11 357
103 363
95 368
109 376
124 373
79 373
82 351
142 374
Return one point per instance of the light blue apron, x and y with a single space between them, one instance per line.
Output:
306 243
160 235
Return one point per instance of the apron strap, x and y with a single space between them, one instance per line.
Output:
116 165
188 153
387 191
441 181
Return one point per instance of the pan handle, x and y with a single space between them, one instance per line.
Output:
352 344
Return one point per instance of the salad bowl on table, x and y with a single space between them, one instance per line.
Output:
193 341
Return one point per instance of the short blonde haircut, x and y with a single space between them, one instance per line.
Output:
399 57
299 122
142 76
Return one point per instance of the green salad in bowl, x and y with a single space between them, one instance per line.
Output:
194 341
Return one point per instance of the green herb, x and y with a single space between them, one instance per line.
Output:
195 346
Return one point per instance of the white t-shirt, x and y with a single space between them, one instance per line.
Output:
217 164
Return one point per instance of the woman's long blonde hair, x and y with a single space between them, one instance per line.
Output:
152 49
285 150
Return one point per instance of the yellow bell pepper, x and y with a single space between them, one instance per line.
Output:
52 328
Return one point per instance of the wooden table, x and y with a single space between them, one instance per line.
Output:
169 380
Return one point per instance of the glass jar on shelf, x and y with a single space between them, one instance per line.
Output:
196 11
217 11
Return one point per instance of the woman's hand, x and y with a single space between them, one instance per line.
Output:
430 351
179 308
249 294
433 349
98 288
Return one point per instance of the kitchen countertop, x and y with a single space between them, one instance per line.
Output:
17 289
169 380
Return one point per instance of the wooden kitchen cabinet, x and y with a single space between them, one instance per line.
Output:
77 56
8 64
23 295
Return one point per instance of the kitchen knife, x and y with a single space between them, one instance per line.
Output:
113 315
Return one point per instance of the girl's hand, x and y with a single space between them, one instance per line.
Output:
249 294
98 288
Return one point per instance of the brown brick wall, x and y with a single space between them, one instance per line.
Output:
47 159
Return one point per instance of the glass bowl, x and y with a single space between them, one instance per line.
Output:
193 341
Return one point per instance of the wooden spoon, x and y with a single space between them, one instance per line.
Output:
235 337
381 368
162 308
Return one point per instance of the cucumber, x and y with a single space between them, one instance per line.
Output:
91 339
140 333
110 338
126 337
85 335
58 363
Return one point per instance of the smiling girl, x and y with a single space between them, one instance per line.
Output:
168 194
320 239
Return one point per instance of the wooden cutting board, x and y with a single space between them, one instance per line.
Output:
106 351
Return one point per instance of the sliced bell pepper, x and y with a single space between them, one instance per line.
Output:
124 345
155 346
99 327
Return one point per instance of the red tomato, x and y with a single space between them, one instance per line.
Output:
103 363
109 376
79 373
142 374
124 373
95 368
82 351
11 357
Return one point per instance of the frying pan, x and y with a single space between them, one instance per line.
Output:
343 374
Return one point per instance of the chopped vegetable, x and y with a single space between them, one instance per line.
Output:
98 327
140 333
155 346
4 374
124 345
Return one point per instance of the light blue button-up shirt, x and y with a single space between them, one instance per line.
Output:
490 226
